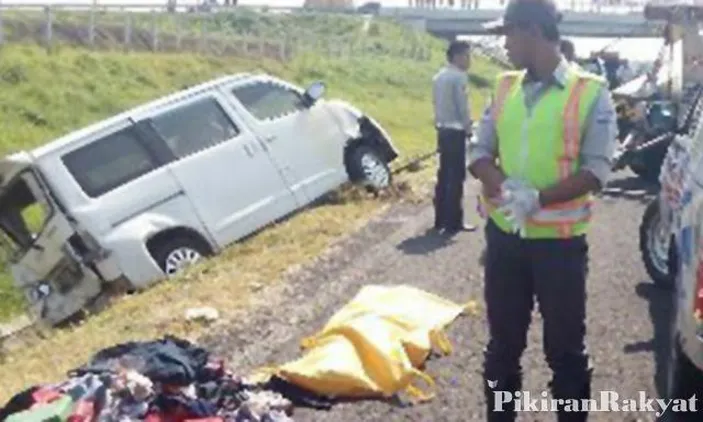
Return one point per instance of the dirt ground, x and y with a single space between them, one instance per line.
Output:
626 314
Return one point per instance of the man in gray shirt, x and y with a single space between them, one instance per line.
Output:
453 124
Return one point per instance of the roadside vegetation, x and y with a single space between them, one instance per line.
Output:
45 95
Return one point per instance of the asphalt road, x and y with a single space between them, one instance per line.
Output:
627 315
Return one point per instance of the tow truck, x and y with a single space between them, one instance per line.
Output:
671 231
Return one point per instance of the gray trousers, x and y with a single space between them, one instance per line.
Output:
552 271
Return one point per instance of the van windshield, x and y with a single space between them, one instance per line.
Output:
22 216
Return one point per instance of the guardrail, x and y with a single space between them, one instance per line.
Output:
243 43
123 28
610 7
596 6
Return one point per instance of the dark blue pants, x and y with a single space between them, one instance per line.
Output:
449 213
518 271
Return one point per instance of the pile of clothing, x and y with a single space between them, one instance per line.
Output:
167 380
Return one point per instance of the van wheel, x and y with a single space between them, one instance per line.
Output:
367 168
654 249
175 254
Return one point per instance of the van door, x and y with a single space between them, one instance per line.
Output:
55 282
230 180
109 176
306 143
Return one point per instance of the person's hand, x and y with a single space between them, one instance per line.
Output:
491 192
520 201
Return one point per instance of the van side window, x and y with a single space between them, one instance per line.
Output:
109 162
194 127
267 100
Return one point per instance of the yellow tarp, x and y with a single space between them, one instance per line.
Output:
373 346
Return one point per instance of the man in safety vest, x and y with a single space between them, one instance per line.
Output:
543 147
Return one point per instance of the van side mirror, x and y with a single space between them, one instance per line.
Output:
314 92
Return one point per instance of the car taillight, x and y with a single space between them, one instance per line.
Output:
698 299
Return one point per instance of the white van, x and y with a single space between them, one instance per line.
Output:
142 194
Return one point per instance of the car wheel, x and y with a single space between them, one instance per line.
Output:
654 247
683 378
366 167
176 254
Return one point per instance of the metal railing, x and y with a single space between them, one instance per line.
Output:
123 27
595 6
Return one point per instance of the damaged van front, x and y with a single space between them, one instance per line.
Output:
50 263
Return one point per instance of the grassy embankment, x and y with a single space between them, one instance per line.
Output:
43 96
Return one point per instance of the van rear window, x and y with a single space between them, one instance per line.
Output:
109 162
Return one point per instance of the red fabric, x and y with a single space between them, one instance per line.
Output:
153 417
45 395
218 366
161 417
83 411
176 415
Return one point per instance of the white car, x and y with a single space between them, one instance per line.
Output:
671 240
139 196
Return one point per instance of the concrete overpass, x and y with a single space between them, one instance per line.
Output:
448 23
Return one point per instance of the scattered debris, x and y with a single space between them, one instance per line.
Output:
207 314
163 380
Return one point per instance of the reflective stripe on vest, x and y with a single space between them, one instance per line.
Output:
504 85
503 88
578 210
485 206
564 215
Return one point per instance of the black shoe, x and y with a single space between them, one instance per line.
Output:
579 394
461 228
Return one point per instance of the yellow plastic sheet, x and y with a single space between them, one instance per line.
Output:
373 346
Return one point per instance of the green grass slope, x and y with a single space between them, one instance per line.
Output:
43 96
46 95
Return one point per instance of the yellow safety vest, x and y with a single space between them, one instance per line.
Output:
550 152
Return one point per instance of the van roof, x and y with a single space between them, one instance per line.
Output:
76 135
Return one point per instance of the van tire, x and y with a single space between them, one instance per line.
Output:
366 167
173 254
656 269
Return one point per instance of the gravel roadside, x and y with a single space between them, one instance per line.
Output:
393 249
